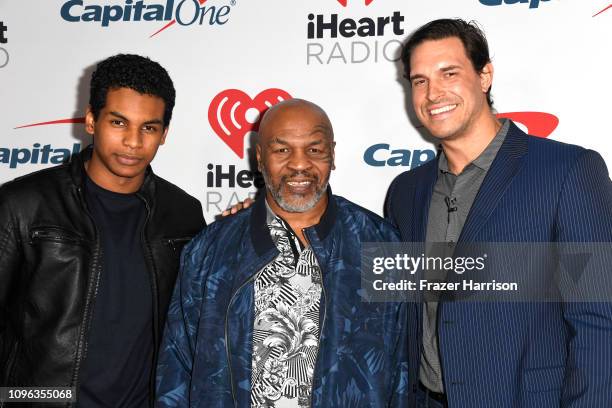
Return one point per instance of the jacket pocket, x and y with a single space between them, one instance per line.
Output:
544 379
54 234
177 244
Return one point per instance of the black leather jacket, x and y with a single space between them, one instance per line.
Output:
50 263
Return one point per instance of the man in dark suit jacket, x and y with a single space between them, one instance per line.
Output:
494 183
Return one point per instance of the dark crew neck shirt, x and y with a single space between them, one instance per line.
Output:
118 362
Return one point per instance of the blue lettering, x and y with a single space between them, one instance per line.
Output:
169 9
394 158
402 158
65 10
155 12
37 155
61 156
195 11
533 4
418 155
19 156
368 155
94 14
111 13
223 11
187 12
5 155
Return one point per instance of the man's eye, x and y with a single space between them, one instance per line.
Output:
450 74
418 82
116 122
148 128
281 150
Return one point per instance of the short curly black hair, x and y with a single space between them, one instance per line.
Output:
135 72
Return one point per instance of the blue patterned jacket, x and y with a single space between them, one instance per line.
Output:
206 353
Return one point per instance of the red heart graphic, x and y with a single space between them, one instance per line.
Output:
540 124
227 114
344 2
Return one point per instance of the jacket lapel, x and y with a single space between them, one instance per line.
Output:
422 200
506 165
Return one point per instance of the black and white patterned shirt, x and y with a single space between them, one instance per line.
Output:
286 328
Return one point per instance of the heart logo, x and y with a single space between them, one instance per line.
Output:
232 114
344 2
540 124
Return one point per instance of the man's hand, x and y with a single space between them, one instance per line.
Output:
238 206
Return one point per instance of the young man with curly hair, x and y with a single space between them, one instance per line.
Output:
89 250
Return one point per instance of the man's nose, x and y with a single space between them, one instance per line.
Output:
434 90
133 138
299 160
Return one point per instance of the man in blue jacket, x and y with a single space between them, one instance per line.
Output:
267 310
493 183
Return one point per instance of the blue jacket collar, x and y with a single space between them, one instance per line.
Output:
260 234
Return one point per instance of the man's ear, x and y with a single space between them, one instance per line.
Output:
333 152
163 138
89 121
486 77
258 155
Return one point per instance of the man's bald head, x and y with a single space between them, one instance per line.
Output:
280 112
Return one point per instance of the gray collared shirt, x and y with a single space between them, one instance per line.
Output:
452 198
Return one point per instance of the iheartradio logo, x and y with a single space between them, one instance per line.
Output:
232 114
344 2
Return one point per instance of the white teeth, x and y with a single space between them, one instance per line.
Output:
443 109
298 183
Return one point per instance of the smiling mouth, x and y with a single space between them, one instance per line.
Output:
304 183
443 109
299 186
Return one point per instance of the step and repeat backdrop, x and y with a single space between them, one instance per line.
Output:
231 59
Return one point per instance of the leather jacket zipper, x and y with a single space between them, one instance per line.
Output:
93 284
153 282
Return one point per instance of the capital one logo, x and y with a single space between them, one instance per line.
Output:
171 12
344 2
232 114
533 4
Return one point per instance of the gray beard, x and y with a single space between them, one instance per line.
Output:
293 208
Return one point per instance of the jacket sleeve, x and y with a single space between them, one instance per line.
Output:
10 262
584 214
177 351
